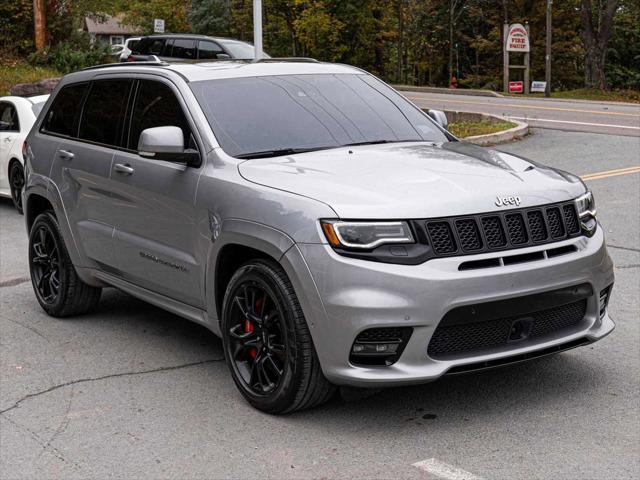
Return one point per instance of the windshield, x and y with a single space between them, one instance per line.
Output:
239 50
290 113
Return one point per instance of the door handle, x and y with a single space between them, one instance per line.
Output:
122 168
66 154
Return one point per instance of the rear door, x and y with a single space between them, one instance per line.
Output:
82 162
156 235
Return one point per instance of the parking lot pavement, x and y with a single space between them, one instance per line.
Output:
132 391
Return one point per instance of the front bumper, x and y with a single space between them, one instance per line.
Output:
344 296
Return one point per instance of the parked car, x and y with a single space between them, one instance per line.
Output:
327 229
116 51
17 115
129 44
175 47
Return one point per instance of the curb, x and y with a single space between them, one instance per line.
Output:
451 91
516 133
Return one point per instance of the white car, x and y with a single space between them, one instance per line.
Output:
17 115
129 44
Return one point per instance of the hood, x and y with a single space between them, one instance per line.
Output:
413 180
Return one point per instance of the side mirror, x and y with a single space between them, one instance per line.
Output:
223 56
166 143
440 118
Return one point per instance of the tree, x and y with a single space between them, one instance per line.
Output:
596 31
210 17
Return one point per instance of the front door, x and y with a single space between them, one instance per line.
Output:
156 234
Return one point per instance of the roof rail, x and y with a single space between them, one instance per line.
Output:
286 59
149 63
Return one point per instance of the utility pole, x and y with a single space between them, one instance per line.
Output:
39 24
257 28
547 57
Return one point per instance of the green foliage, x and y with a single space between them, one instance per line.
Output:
402 41
75 53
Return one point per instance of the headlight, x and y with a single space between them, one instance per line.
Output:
586 205
365 235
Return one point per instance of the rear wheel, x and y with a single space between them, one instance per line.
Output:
267 343
16 183
56 284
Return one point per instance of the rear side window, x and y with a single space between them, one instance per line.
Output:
104 112
64 113
8 118
208 49
156 106
183 48
155 48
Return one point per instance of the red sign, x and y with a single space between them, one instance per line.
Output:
516 87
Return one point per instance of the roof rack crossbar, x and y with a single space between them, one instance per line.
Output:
149 63
286 59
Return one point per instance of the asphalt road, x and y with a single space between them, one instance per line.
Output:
571 115
134 392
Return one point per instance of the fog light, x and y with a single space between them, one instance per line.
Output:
373 348
379 346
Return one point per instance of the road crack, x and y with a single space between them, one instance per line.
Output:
105 377
630 249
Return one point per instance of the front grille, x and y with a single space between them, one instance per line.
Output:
386 334
441 237
501 230
476 328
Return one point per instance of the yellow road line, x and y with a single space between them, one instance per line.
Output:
611 173
515 105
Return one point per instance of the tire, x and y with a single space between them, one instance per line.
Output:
56 284
264 332
16 182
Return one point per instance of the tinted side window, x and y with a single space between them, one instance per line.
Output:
208 49
156 106
183 48
8 118
166 52
104 111
64 113
155 48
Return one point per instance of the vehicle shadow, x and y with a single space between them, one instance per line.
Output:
511 391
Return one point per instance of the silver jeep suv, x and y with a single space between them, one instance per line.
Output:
329 231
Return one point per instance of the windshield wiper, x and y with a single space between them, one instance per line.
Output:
280 152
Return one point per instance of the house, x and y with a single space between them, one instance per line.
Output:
109 29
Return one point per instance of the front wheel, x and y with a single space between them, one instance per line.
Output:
56 284
16 183
267 343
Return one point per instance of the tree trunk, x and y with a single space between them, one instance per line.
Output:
451 25
39 24
595 39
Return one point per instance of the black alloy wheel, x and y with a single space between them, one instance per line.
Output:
267 343
16 183
58 288
256 337
45 264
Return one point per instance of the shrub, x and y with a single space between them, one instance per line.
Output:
73 54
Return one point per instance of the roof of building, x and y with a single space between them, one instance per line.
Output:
103 24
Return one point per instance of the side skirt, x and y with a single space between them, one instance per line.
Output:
181 309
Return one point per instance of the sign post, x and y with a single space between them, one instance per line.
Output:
516 39
158 25
257 28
